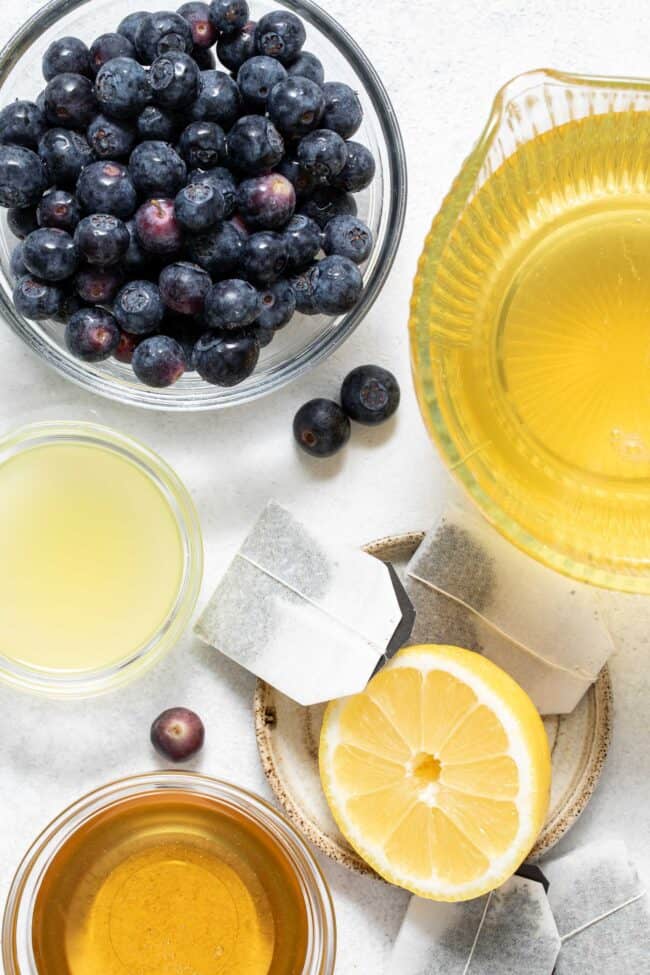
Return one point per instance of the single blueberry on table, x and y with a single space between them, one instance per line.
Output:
325 203
303 238
159 361
280 34
200 206
231 304
370 395
226 359
106 187
218 251
139 308
92 334
65 153
254 145
136 261
129 26
349 237
205 58
36 299
174 79
321 428
70 101
126 347
158 124
22 123
337 285
23 178
98 285
157 228
307 65
204 33
303 287
359 169
303 183
109 46
234 49
177 733
343 111
278 306
160 33
266 202
111 138
156 169
64 55
224 180
184 286
257 76
264 257
122 88
228 16
16 263
296 105
21 221
219 99
203 145
58 209
322 154
102 239
50 254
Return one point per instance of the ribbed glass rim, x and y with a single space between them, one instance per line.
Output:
17 950
423 376
75 684
329 341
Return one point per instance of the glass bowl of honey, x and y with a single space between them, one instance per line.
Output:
169 872
530 325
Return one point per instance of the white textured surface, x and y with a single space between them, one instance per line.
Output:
442 63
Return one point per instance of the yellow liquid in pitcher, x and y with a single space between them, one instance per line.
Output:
91 557
546 278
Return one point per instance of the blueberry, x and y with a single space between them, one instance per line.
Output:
183 287
174 80
256 77
264 257
70 101
296 105
337 285
359 169
234 49
106 187
232 304
92 334
70 304
136 260
36 299
228 16
370 394
266 202
322 154
159 361
303 183
278 306
303 287
102 239
219 99
280 34
223 179
199 206
66 54
177 733
16 263
139 308
22 124
226 359
202 145
160 33
343 111
58 209
23 178
65 153
307 65
326 203
158 124
109 46
254 144
156 169
204 33
321 428
122 88
157 228
129 26
111 138
126 347
21 221
303 241
205 58
218 251
349 237
50 254
98 285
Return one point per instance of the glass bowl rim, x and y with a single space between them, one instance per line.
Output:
450 208
325 344
17 919
89 683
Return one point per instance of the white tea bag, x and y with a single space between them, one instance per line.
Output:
309 617
601 909
542 628
510 931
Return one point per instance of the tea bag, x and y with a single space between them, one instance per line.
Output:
472 587
310 617
510 931
602 911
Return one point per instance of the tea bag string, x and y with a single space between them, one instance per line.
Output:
602 917
488 901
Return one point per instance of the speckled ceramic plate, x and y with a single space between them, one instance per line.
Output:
288 735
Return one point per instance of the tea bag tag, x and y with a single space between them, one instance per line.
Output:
311 617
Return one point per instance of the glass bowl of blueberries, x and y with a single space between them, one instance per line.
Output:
196 205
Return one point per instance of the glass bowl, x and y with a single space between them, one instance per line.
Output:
17 950
63 683
552 447
307 340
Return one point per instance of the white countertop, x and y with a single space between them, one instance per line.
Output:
442 64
